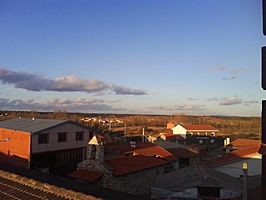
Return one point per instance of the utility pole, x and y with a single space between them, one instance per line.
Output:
143 135
110 126
125 129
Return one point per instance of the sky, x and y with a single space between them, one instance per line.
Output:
132 56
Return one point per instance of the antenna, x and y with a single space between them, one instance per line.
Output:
125 129
110 126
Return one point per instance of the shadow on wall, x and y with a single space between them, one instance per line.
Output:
14 160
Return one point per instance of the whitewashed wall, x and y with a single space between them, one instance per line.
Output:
235 169
179 130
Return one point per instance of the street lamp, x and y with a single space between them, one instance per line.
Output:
245 181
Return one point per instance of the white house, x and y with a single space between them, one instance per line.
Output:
231 163
192 129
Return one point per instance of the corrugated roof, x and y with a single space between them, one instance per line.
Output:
130 164
30 125
196 176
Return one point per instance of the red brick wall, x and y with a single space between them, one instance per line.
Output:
15 151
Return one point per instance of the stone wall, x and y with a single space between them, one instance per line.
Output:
138 183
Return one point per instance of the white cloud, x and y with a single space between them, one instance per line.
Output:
71 105
179 107
234 100
228 73
33 82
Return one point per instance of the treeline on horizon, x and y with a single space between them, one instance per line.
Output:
243 127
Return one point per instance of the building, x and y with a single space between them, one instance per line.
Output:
196 182
231 163
51 146
186 156
21 183
192 129
242 144
138 148
131 170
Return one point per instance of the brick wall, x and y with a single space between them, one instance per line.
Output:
15 150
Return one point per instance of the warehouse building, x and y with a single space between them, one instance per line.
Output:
51 146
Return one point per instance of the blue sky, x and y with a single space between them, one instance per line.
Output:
132 56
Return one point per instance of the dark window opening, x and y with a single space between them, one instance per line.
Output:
93 152
183 162
62 137
43 139
79 136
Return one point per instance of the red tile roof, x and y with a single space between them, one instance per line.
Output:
171 136
193 127
183 152
244 143
233 156
86 175
146 149
130 164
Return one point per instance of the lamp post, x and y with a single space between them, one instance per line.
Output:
245 181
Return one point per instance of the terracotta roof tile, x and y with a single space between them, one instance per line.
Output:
183 152
86 175
244 143
193 127
146 149
130 164
233 156
171 136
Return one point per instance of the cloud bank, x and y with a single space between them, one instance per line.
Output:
33 82
233 100
179 107
72 105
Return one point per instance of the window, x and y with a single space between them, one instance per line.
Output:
43 138
79 136
62 137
